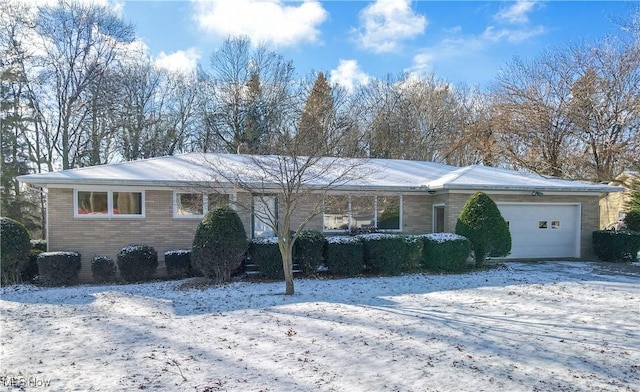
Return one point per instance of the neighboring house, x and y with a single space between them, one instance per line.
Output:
160 202
613 205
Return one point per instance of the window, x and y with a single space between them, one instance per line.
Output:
349 212
555 225
108 204
127 203
388 208
438 219
336 213
264 212
542 224
196 205
363 211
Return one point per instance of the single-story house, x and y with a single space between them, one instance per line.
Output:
613 205
160 202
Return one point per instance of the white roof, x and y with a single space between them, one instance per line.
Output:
384 174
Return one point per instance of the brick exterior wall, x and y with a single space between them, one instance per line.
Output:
91 237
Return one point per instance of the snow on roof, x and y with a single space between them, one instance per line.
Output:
388 174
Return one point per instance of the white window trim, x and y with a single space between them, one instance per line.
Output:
109 214
375 213
205 204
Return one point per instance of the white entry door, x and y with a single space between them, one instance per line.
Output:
540 230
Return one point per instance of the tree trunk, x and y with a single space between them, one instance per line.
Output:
286 251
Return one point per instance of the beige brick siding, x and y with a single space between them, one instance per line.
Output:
159 229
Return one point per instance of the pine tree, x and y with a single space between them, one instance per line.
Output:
314 130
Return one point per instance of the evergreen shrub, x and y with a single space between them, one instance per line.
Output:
384 253
220 244
178 263
632 220
309 250
611 245
58 268
30 271
103 269
445 252
137 263
481 222
264 253
413 245
14 250
344 255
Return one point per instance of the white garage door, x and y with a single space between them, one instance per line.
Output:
543 230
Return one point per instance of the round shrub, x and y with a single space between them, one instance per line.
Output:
14 250
220 244
58 268
632 220
309 250
481 222
344 255
103 269
264 253
178 264
137 263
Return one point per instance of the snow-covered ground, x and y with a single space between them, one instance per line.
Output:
551 326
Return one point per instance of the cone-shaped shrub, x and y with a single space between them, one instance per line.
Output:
220 244
481 222
632 221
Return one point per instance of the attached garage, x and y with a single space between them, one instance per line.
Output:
543 230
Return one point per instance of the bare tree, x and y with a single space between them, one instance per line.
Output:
249 92
530 113
80 42
605 107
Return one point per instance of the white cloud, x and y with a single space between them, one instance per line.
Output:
385 23
349 75
516 13
517 35
180 61
263 21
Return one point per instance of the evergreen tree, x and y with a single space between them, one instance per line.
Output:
482 223
314 130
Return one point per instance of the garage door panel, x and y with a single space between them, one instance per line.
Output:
542 230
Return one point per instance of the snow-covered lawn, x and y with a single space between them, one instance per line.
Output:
534 327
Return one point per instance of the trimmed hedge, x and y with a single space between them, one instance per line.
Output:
178 263
344 255
445 252
611 245
384 253
30 271
414 246
137 263
309 251
632 220
103 269
14 250
265 254
58 268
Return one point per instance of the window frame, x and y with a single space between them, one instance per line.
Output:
434 217
350 219
205 204
261 198
110 194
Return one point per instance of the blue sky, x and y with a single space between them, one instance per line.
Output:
464 42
